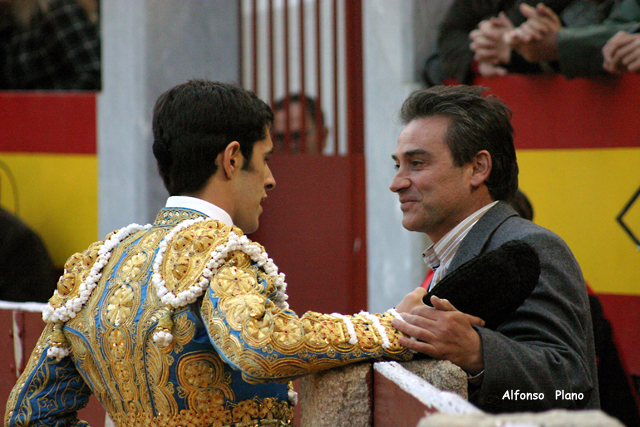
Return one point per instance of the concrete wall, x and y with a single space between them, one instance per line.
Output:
148 47
398 35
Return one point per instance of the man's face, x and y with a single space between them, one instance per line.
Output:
252 185
434 193
296 130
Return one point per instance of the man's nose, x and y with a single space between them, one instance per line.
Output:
399 183
270 181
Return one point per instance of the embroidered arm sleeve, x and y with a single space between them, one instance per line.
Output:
267 342
48 392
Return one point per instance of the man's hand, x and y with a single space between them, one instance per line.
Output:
444 333
622 53
487 69
487 40
536 39
412 300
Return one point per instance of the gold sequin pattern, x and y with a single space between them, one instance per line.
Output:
190 251
202 377
77 270
255 412
268 343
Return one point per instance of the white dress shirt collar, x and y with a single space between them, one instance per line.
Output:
440 254
202 206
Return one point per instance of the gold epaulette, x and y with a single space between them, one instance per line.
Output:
189 251
76 270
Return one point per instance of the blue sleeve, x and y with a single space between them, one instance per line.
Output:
48 393
268 342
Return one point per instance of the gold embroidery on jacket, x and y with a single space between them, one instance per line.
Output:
284 344
189 252
158 364
203 379
132 267
118 368
149 242
25 408
132 376
121 304
77 269
255 412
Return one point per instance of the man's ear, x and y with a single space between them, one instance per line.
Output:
231 159
481 164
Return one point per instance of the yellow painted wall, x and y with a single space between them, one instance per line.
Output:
57 197
578 194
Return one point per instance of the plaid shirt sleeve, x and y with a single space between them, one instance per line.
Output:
60 49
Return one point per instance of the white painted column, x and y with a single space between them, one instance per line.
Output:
394 263
148 47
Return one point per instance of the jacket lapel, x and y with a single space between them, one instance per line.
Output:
478 237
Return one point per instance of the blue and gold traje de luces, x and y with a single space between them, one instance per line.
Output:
232 352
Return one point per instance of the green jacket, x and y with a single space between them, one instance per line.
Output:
580 48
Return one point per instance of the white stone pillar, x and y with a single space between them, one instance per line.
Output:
394 263
148 47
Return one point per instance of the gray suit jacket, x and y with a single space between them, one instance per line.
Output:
547 345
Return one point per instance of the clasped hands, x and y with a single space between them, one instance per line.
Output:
495 38
536 40
622 53
441 332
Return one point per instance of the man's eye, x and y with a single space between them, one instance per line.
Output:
396 167
416 163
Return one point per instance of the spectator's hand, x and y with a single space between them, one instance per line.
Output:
536 39
412 300
622 53
487 69
487 41
444 333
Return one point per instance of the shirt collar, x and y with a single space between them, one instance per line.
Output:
202 206
441 253
429 256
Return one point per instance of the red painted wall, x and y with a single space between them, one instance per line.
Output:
48 122
306 228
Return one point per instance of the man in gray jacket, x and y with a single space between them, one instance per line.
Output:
456 170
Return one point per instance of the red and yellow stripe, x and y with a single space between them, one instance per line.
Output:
579 150
48 144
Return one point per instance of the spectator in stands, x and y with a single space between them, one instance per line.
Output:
456 170
26 270
454 60
303 128
49 45
579 51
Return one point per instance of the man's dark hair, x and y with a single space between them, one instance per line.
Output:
310 103
477 123
195 121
